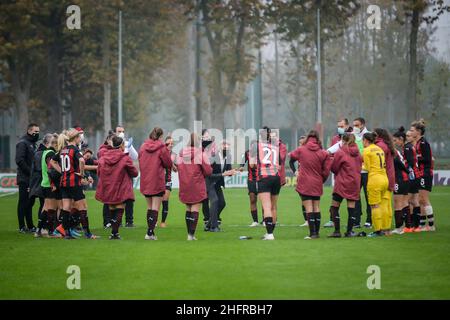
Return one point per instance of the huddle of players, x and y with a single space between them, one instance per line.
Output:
407 172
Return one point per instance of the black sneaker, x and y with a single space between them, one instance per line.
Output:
130 225
335 235
32 230
357 226
114 237
206 226
315 236
23 230
215 230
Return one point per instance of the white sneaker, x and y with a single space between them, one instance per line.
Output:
153 237
44 232
191 238
423 229
37 235
268 236
432 229
264 224
254 224
305 224
398 231
307 238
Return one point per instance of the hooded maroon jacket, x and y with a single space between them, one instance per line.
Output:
115 169
314 164
193 166
346 167
154 159
103 148
283 154
389 158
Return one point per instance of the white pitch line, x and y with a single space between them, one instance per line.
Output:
7 194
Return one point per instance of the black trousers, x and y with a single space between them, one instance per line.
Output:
217 204
358 207
205 209
25 207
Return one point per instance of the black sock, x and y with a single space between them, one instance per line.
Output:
416 216
304 213
188 218
336 218
51 220
423 220
398 218
84 221
165 210
430 218
65 217
351 219
42 218
254 215
194 221
269 224
152 218
106 215
311 223
114 222
318 219
406 217
74 218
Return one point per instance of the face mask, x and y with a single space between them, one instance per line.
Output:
224 153
206 143
356 130
34 137
340 131
121 135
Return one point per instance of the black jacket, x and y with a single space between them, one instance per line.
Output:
216 175
25 150
36 173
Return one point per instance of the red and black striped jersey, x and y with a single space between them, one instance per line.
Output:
70 166
401 171
424 158
251 171
410 158
267 158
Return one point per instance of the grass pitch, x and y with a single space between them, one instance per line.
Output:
219 265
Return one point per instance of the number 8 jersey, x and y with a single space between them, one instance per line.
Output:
70 165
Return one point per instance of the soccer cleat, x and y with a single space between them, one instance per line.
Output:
75 233
61 230
32 230
91 236
254 224
417 229
152 237
23 230
191 238
38 234
56 235
432 228
424 229
44 232
114 237
375 234
367 225
305 224
357 226
350 234
107 226
315 236
329 224
335 235
215 230
130 225
268 236
163 225
398 231
307 238
408 230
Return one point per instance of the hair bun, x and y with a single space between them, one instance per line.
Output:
422 121
401 129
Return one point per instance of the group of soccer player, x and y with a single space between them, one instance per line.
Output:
383 164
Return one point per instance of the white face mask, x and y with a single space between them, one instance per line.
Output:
121 135
356 130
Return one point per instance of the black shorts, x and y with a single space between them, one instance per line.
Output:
413 186
425 183
337 197
251 185
155 195
74 193
401 188
306 197
49 194
269 184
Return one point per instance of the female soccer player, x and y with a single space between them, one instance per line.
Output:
425 174
314 167
346 167
265 156
193 166
378 183
413 169
384 141
154 158
115 187
401 198
49 190
251 186
165 201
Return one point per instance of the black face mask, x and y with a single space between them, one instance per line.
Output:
34 137
224 153
206 143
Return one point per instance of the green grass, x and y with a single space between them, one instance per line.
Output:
219 265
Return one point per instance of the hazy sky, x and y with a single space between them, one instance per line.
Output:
441 38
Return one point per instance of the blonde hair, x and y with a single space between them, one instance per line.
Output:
419 125
62 141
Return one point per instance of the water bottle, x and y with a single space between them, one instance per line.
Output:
411 174
244 238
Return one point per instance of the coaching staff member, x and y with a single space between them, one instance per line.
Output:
25 150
